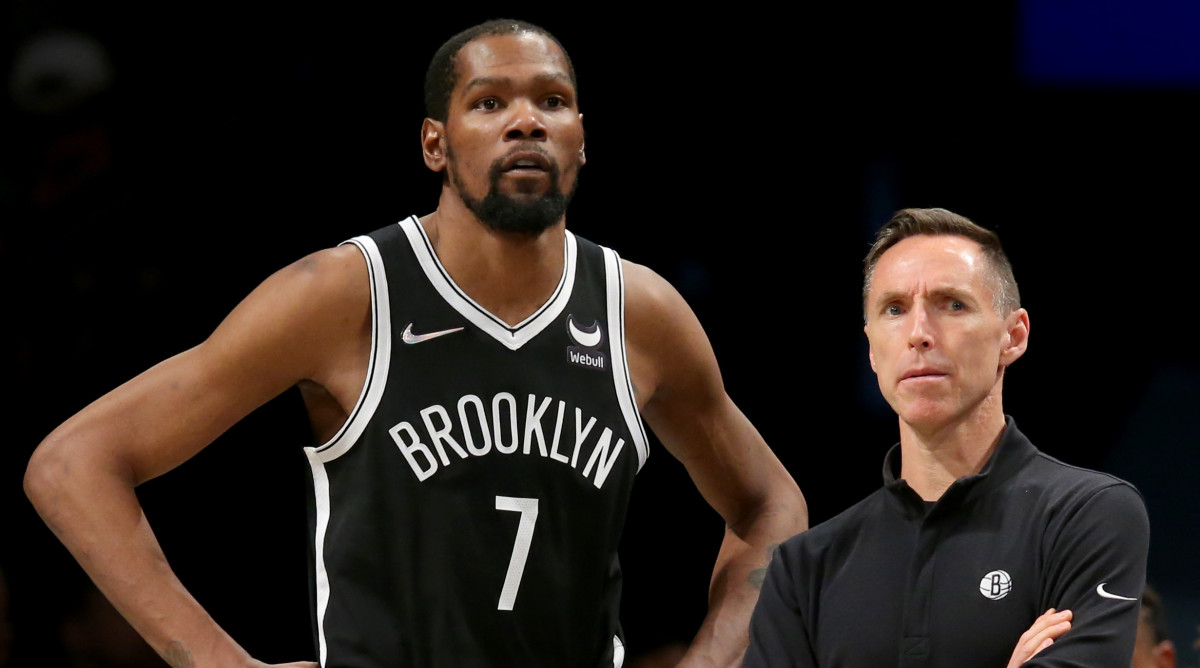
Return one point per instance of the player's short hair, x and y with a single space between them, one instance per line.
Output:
1154 615
934 222
442 75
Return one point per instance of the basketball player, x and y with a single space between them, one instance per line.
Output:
478 377
979 550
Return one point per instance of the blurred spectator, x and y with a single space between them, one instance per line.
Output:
1153 648
59 80
56 71
1196 642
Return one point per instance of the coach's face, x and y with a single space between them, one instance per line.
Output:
513 130
937 345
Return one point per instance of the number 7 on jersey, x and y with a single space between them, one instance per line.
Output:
516 565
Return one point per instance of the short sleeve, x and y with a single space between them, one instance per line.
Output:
1096 567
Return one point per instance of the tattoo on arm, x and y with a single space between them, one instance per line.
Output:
307 264
758 575
177 656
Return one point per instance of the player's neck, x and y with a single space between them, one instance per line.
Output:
510 275
934 456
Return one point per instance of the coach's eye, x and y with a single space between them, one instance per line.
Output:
892 309
957 306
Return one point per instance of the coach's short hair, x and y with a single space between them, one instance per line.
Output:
442 75
934 222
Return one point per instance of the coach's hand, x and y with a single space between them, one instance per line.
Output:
1041 635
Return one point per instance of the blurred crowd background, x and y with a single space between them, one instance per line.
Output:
158 161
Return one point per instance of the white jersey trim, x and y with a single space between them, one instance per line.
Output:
368 401
615 288
511 337
378 363
321 577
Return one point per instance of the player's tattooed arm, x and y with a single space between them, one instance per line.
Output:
758 575
177 656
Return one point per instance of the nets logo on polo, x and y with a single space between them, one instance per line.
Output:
589 338
995 585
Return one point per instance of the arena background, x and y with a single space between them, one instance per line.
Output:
157 162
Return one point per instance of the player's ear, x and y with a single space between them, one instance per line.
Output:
1017 336
433 144
582 156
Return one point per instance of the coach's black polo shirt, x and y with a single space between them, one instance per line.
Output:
894 581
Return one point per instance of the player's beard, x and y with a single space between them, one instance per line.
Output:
527 216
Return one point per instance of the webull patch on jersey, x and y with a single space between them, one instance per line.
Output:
586 358
589 339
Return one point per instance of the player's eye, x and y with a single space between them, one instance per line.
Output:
488 104
555 102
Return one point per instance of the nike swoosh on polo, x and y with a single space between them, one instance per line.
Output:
410 338
1100 590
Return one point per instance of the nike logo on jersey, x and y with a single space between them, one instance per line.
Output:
1100 590
410 338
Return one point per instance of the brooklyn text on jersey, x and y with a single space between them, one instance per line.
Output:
499 430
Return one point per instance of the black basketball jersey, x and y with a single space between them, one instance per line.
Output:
468 513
